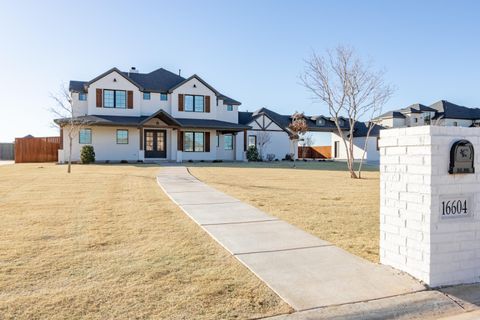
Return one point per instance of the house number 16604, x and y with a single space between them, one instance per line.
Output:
454 207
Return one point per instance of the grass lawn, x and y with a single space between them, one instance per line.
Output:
321 199
106 243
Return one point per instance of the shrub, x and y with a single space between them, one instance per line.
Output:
270 157
87 154
252 153
289 157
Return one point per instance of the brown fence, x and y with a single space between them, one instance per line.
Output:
37 149
320 152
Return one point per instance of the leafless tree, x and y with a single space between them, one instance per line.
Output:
297 127
67 121
307 141
263 139
351 89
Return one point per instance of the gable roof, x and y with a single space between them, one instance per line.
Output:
160 80
448 110
392 114
361 130
114 69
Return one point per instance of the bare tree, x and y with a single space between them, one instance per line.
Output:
67 121
350 89
297 127
263 139
307 141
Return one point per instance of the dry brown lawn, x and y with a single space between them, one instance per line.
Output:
106 243
327 204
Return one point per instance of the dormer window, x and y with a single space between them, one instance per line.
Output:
229 107
341 122
146 96
82 96
321 122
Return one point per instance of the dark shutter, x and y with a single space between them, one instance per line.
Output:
207 141
207 103
99 98
245 140
130 100
179 140
61 138
180 102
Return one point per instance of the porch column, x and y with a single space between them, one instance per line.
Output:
141 152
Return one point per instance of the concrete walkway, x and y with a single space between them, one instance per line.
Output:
302 269
5 162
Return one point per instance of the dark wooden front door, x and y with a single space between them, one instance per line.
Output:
155 144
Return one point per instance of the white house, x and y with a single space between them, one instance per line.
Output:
132 116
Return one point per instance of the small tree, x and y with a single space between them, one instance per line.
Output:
350 89
297 127
263 139
307 141
87 155
70 124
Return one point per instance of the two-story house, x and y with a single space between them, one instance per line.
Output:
132 116
441 113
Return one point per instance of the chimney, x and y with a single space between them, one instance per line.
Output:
180 72
133 70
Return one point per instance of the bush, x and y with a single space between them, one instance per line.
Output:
252 153
87 154
270 157
289 157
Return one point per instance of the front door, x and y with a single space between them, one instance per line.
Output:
155 144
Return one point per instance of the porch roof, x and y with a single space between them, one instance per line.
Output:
103 120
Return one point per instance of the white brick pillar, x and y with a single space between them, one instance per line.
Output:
416 235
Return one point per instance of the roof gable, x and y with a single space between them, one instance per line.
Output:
122 74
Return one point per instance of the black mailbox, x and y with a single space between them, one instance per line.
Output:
461 157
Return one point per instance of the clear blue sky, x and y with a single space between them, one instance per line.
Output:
250 50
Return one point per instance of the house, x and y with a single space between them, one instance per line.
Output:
265 121
442 113
133 116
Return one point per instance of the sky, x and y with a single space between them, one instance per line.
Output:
252 51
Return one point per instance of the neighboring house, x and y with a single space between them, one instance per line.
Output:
441 113
160 115
276 125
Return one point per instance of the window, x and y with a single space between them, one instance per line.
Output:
163 97
114 99
85 136
82 96
146 96
229 107
252 141
455 124
228 142
122 136
108 98
120 99
218 140
321 122
415 120
193 142
427 118
194 103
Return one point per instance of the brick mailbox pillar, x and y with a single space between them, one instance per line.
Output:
430 218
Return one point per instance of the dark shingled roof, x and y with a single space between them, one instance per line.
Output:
102 120
160 80
448 110
361 130
417 108
392 114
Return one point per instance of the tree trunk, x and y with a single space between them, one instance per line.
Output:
70 142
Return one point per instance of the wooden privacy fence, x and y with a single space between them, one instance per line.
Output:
321 152
37 149
7 151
